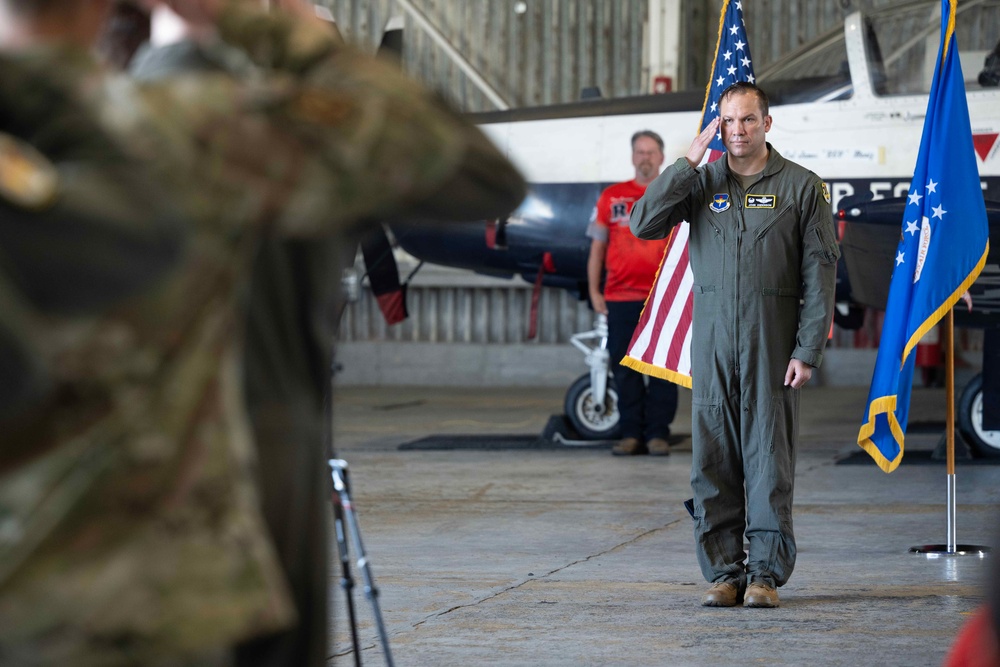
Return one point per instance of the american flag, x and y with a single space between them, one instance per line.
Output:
661 344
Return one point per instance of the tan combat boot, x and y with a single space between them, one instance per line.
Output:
722 594
760 594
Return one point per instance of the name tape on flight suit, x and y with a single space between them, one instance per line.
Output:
760 201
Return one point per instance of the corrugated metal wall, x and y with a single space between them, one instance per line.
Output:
456 313
542 55
551 50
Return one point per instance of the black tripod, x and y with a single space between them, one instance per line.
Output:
346 522
344 515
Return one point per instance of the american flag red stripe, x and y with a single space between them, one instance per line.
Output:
662 340
680 346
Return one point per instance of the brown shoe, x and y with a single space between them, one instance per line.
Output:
658 447
722 594
628 447
760 594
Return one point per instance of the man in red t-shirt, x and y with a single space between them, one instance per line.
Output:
646 410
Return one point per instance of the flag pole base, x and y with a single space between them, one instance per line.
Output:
942 550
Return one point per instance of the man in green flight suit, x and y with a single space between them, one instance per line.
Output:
132 533
763 254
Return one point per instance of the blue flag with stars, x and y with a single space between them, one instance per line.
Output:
732 64
943 247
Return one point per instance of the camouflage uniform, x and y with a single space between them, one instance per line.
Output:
290 317
131 532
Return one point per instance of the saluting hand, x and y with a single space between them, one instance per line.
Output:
700 144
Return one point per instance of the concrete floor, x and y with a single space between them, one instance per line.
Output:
574 557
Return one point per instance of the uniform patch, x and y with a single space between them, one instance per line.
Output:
27 178
826 192
761 201
720 202
324 108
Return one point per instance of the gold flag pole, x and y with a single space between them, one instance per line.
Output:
951 548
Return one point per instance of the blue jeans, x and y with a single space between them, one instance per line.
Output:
647 408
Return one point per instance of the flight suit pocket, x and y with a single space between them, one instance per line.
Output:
826 247
777 435
780 291
707 327
784 308
708 421
706 301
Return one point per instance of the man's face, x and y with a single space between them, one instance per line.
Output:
743 125
647 158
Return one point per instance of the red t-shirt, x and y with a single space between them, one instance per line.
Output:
631 263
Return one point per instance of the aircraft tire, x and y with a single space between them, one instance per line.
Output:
583 416
985 444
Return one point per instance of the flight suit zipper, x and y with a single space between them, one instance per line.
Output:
740 224
770 223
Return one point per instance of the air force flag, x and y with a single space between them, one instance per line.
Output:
943 247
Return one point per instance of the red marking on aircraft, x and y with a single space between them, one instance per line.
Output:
984 144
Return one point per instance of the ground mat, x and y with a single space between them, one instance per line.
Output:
497 441
917 457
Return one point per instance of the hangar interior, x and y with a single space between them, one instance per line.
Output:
488 55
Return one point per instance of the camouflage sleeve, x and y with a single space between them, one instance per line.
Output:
24 378
319 151
104 239
412 155
391 149
276 40
482 184
81 226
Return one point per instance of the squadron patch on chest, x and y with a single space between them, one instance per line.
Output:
760 201
720 202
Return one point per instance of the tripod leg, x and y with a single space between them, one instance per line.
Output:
346 581
340 483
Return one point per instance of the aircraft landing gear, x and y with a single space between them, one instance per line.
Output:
591 401
986 444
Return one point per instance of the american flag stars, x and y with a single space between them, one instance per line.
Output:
732 63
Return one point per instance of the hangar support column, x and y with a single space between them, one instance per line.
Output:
661 62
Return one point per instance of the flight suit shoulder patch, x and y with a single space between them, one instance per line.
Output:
27 178
825 191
